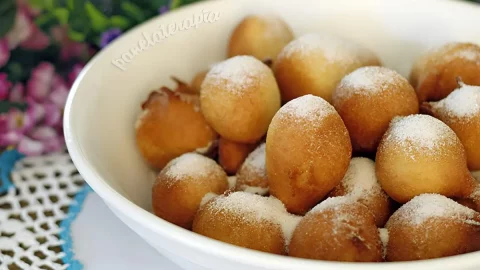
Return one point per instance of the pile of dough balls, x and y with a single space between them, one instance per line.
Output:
308 147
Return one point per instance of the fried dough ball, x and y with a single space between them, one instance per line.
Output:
315 64
338 229
247 220
473 201
252 176
261 36
461 112
197 81
171 124
361 184
181 185
231 155
368 99
307 152
420 154
432 226
239 98
434 75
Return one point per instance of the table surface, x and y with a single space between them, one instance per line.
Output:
113 241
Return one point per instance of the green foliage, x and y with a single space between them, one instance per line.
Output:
8 10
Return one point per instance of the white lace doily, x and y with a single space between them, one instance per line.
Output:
32 211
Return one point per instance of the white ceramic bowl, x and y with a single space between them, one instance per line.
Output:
104 102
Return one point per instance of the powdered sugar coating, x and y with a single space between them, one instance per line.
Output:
464 102
469 53
368 81
384 237
237 74
252 176
253 208
360 180
191 166
426 207
333 203
333 48
419 134
307 108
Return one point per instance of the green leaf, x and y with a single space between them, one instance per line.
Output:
133 11
97 19
120 22
70 4
5 106
175 4
7 5
62 15
15 71
44 19
76 36
7 19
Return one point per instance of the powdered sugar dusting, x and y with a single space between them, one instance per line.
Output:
425 207
464 102
237 74
469 53
255 163
368 81
207 198
308 107
140 118
254 208
333 48
360 181
419 134
232 181
191 166
384 237
333 203
254 190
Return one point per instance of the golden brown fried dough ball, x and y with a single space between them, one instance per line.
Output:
420 154
246 220
261 36
368 99
461 112
231 155
171 124
434 75
361 184
197 81
432 226
315 64
338 229
252 176
307 152
181 185
239 98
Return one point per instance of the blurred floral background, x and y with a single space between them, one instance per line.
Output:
44 44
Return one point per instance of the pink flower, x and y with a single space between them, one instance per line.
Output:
10 138
37 40
21 31
69 48
4 86
17 93
59 92
48 136
40 83
30 147
76 69
4 52
53 115
36 111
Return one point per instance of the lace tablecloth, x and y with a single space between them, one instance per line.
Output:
51 219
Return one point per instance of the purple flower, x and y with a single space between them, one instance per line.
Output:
40 83
4 52
163 9
109 35
4 86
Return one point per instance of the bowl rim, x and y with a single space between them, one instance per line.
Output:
204 244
